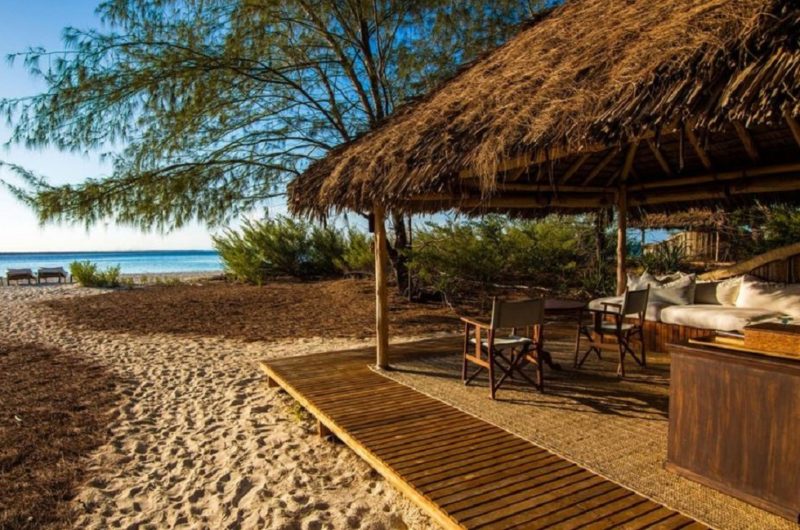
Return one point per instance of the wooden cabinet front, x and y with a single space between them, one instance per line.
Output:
734 425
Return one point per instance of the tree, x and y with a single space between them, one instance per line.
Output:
207 107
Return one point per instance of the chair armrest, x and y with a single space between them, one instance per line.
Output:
474 322
611 304
605 312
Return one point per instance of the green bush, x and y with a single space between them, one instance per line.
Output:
664 258
474 257
88 274
288 247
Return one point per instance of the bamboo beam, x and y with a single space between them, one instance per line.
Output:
793 125
701 153
515 174
381 289
773 184
533 187
622 237
629 157
717 177
755 186
601 165
777 254
747 141
574 168
660 158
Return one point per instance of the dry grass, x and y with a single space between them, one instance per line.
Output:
53 412
278 310
591 73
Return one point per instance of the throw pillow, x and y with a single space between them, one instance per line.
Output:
780 297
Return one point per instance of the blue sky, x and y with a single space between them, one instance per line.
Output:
40 23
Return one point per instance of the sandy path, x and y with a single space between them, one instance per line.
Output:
200 442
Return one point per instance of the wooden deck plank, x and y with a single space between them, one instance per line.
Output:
464 472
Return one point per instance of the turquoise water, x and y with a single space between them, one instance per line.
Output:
133 262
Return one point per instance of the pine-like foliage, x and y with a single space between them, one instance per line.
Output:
206 107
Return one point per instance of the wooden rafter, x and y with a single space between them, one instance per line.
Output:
724 176
718 177
533 187
601 165
574 168
660 158
793 125
747 141
701 153
515 174
629 157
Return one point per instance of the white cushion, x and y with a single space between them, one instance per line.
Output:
653 308
718 292
680 291
636 282
778 297
709 316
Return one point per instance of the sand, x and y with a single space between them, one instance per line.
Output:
199 441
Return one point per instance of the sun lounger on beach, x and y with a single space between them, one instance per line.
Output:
45 273
18 275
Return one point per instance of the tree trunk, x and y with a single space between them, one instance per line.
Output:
600 223
397 251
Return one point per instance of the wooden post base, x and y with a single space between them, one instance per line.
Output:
322 430
271 383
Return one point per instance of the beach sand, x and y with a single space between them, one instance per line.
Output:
199 441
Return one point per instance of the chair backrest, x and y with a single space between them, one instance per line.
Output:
636 302
518 313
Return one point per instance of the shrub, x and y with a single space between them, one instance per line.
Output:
289 247
358 253
664 258
461 258
88 274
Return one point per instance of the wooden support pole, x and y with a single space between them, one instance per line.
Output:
381 289
622 238
793 125
747 141
611 155
701 153
322 430
575 167
665 167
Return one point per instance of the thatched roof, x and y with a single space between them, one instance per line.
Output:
699 219
596 94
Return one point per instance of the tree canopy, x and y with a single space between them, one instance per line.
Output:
207 107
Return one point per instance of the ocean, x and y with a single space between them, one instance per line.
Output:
131 262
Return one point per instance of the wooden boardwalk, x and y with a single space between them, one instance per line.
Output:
464 472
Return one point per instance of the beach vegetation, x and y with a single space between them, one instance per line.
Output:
476 257
88 274
283 246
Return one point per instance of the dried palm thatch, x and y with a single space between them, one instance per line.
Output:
692 218
562 109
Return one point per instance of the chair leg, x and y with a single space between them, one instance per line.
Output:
465 352
644 349
577 346
491 374
622 351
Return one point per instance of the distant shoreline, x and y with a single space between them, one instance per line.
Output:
58 252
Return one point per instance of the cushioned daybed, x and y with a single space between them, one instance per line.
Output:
681 307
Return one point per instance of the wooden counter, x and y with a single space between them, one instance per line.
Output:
734 424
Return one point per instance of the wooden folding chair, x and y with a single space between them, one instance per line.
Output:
625 333
484 347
